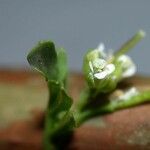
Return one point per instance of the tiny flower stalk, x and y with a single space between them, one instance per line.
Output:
102 71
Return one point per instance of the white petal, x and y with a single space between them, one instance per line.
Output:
124 58
129 67
129 93
101 75
130 71
110 68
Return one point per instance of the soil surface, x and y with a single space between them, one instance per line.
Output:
23 98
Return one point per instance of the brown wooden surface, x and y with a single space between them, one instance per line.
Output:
125 129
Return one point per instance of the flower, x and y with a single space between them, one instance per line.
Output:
124 95
128 67
128 94
104 70
100 69
99 66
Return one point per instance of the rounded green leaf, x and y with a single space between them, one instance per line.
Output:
43 58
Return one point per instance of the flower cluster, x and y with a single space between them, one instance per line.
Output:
100 66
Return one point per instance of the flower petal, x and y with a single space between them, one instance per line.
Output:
101 75
128 94
110 68
124 58
129 72
128 66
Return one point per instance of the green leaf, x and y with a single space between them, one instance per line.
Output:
53 66
43 58
62 64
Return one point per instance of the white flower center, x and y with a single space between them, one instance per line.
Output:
99 64
100 68
108 69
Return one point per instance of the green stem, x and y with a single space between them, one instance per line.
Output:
112 106
47 128
135 100
46 136
130 43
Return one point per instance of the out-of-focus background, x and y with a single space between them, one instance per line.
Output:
75 25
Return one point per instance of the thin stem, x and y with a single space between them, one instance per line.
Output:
47 126
130 43
46 135
135 100
113 106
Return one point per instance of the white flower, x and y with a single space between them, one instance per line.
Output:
128 94
124 95
128 66
101 66
100 69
